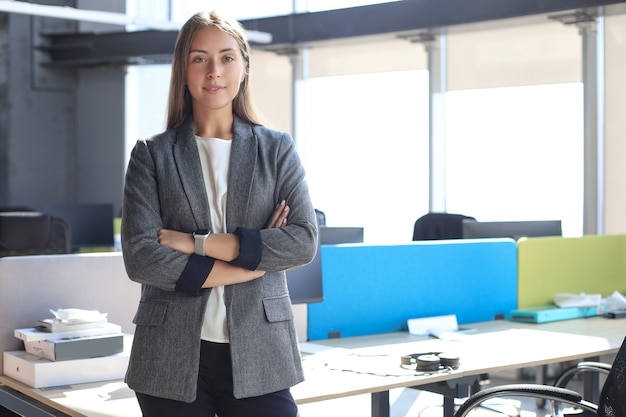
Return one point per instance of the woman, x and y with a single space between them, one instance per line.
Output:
205 232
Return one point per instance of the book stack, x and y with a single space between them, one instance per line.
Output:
61 352
62 342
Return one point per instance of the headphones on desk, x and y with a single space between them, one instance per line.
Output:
430 361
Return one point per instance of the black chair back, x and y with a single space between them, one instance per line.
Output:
612 401
33 233
24 230
434 226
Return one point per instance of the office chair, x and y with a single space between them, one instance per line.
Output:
612 401
321 217
32 233
434 226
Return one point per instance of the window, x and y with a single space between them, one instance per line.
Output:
366 151
516 153
513 153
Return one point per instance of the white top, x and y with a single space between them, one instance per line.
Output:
215 159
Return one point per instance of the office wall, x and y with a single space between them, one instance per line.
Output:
510 55
62 129
100 142
100 136
37 118
271 88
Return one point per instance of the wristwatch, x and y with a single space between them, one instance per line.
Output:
199 236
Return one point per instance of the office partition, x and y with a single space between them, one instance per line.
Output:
376 289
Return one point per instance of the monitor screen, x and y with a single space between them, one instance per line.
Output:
512 229
305 283
338 235
91 225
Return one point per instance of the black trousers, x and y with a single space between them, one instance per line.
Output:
215 393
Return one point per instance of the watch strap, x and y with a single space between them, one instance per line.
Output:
199 237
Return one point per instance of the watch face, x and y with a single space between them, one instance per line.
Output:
201 232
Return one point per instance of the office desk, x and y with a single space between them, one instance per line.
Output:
371 364
496 346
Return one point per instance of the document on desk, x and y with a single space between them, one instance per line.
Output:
481 352
383 360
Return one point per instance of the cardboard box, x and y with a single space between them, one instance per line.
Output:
76 348
38 373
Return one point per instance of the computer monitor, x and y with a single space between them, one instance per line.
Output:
338 235
512 229
91 224
305 283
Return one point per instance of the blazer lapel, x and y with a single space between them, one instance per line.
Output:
189 168
243 158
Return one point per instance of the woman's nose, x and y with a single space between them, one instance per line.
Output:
213 70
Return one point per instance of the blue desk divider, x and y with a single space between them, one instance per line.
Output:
376 289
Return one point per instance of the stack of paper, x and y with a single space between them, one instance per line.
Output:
73 344
62 351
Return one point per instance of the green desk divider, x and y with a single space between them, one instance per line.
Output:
551 265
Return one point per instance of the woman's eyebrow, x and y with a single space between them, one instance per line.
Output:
204 51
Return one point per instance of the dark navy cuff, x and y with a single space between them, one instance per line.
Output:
250 248
194 275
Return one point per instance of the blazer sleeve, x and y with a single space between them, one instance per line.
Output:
295 244
146 261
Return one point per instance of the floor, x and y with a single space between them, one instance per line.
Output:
413 403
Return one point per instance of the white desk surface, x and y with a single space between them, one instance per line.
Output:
369 364
496 346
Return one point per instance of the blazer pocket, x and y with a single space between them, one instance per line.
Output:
278 308
150 313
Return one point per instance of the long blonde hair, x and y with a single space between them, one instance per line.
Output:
179 105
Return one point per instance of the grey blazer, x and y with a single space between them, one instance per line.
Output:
164 189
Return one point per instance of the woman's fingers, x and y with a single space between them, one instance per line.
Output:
279 216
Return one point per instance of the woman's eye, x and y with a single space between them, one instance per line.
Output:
229 58
198 59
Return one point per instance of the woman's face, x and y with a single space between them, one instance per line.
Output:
215 69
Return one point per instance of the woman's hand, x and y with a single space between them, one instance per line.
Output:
279 216
182 242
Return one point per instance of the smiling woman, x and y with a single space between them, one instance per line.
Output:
215 210
215 71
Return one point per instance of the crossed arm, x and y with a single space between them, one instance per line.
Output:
223 247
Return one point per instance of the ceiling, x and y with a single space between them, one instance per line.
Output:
407 18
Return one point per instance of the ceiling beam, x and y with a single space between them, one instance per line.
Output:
71 13
402 16
289 31
110 18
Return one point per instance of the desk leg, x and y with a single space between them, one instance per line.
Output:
591 383
448 406
380 404
450 390
541 374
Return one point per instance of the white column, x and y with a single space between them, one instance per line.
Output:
437 76
300 73
594 114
